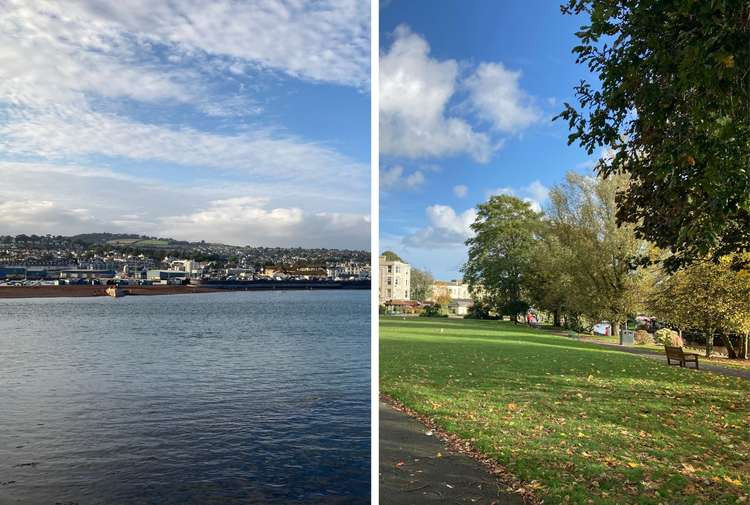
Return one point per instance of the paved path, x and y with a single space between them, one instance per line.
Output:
412 473
706 367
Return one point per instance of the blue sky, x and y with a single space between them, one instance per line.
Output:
245 122
467 93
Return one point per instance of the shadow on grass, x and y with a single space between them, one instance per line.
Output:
567 412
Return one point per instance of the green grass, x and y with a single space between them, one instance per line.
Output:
741 364
590 424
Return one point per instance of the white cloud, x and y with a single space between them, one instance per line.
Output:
536 194
251 218
445 228
414 92
327 40
538 191
415 179
460 191
52 56
496 96
395 178
71 72
255 153
44 198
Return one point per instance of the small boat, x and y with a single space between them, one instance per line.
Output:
115 291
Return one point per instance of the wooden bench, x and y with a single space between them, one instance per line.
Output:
681 357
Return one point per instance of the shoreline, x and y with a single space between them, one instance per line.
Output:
98 290
80 291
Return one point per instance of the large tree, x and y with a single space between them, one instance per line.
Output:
548 281
599 264
505 231
672 108
421 284
711 297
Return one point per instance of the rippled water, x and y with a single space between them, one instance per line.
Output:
240 397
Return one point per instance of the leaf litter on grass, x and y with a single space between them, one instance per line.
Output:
583 422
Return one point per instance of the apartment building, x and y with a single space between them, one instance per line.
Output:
395 280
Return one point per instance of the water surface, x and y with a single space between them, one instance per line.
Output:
238 397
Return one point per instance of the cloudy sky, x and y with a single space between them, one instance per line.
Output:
467 94
240 122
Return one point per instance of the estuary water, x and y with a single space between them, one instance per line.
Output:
237 397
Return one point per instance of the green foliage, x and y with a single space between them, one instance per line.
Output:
421 284
592 271
500 252
479 311
672 107
578 419
392 256
433 311
665 336
709 296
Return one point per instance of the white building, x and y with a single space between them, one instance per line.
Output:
459 294
395 280
456 290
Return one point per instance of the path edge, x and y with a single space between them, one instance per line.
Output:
506 478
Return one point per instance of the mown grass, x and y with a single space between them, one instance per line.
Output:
587 423
659 349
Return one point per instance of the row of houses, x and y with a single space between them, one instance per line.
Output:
177 271
395 288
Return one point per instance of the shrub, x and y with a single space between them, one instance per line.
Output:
665 336
432 311
479 311
643 337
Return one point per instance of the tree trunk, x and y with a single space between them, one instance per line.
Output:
731 351
616 330
743 350
709 343
556 318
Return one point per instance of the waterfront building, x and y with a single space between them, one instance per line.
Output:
395 280
165 275
88 274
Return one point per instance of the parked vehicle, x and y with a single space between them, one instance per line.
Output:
602 328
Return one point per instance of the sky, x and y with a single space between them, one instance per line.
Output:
243 122
468 91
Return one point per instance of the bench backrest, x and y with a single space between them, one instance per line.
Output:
675 352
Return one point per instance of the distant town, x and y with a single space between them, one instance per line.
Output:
105 258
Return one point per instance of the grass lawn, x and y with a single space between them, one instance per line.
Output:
589 424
